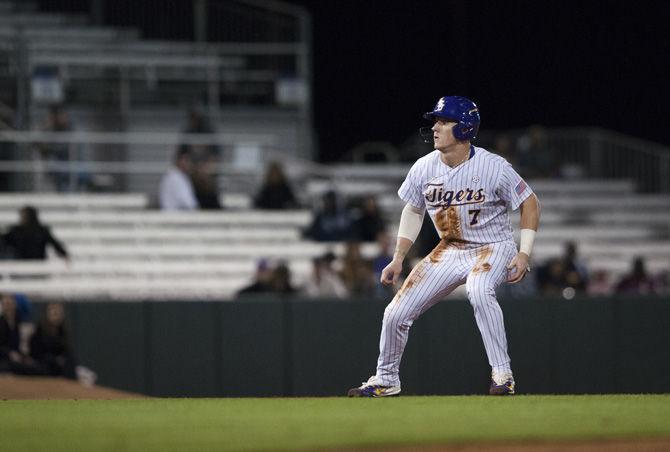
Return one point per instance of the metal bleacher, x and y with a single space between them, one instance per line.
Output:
120 250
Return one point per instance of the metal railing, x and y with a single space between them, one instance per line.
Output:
97 153
575 153
263 59
586 152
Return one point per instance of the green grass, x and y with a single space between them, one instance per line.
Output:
309 423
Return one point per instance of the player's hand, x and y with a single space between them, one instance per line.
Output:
517 268
391 273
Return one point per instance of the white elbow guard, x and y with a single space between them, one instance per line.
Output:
526 241
411 220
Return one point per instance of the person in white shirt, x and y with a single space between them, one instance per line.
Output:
176 189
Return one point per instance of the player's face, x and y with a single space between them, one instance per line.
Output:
443 136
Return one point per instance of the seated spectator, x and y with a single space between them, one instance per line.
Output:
198 123
24 309
205 184
576 274
638 281
599 284
262 281
50 345
59 154
357 272
551 278
325 282
566 271
29 239
368 222
331 223
176 189
281 280
12 359
276 192
663 283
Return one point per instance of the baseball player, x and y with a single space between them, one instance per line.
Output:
466 191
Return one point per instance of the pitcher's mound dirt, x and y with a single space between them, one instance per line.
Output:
22 388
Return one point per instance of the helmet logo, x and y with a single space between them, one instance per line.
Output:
440 104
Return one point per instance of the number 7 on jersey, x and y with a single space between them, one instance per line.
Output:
475 215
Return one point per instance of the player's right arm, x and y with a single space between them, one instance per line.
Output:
411 220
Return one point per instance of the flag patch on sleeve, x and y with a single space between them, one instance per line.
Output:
520 187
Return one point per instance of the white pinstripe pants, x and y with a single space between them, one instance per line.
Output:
481 268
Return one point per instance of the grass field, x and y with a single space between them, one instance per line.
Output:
314 423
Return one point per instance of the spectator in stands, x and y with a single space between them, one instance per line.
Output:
577 275
638 281
262 281
325 282
276 192
176 189
356 272
57 153
205 185
24 309
550 277
566 271
281 280
29 238
12 359
368 221
50 345
198 123
663 283
599 284
206 159
331 223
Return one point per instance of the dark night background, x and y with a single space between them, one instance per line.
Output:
379 64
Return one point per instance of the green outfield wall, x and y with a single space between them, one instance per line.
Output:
274 347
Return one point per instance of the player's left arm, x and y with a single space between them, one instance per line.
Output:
530 221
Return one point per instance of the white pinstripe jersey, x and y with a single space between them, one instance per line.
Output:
468 202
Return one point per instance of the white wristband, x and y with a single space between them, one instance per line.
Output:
526 241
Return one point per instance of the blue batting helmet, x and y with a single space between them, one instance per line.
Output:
461 110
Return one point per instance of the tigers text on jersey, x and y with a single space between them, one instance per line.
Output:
468 202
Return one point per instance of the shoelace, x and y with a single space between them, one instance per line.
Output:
370 382
501 379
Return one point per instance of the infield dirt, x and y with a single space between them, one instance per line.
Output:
658 445
45 388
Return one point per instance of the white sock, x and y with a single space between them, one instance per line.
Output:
504 370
